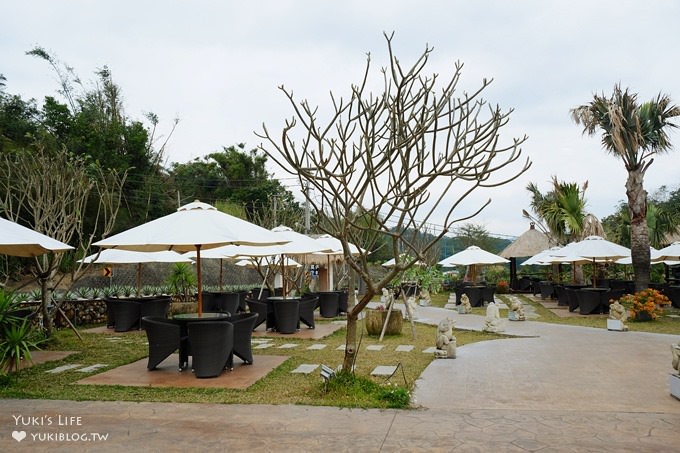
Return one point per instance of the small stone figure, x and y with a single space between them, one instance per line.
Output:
618 312
425 298
675 350
412 308
445 341
387 297
517 309
492 323
465 302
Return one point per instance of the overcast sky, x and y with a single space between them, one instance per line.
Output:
216 65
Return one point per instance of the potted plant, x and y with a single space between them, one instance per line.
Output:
375 320
645 305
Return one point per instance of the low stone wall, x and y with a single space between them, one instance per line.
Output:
86 311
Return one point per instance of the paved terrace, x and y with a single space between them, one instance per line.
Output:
554 388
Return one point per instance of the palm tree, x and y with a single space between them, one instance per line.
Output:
561 212
635 133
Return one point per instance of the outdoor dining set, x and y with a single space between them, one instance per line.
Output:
223 329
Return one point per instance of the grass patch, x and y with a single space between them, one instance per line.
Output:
280 386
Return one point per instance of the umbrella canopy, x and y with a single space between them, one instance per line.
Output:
595 248
542 258
116 256
670 253
17 240
654 255
472 255
192 227
529 243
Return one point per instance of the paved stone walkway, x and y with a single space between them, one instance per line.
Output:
556 388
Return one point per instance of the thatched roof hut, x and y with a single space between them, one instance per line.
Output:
529 243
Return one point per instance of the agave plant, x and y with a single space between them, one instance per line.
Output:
83 292
36 295
96 293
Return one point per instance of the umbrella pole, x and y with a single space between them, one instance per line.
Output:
221 274
139 279
199 283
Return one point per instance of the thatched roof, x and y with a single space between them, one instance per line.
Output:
529 243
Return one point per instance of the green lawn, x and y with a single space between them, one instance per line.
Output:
278 387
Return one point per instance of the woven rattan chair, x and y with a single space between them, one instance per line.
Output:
127 315
307 307
211 346
164 339
287 314
329 306
258 307
243 334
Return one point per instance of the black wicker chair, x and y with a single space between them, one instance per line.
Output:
673 293
589 302
127 315
547 289
562 297
572 297
243 333
287 315
329 306
211 344
343 301
228 302
255 293
307 307
260 308
164 339
156 307
110 313
488 293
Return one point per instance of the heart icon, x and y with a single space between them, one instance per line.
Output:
18 435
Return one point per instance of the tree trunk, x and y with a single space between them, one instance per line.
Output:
45 299
639 232
352 322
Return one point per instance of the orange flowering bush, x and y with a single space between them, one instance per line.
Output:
502 287
646 304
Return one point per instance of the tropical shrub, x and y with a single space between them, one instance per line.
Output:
645 305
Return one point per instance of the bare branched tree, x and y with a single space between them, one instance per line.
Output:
387 164
53 193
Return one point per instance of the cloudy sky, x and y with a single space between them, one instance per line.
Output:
216 66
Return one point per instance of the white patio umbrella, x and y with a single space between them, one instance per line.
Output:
595 249
541 258
472 256
291 243
654 256
194 226
17 240
116 256
670 253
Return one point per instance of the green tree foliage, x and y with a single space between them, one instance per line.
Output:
661 223
92 123
233 175
562 210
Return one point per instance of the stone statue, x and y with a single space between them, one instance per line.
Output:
425 298
618 312
412 308
492 323
517 309
387 297
445 341
465 302
675 350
